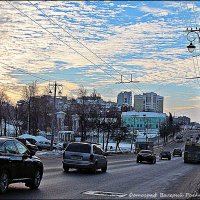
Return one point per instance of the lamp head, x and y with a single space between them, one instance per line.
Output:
191 47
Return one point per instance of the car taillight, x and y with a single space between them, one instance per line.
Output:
91 157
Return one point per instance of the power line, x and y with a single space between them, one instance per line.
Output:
55 23
187 27
11 67
63 42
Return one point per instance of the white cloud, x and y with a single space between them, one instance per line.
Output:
155 11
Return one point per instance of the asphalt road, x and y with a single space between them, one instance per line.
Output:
124 175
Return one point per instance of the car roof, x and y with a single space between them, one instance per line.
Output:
88 143
4 138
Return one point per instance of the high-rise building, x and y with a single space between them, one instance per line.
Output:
148 102
124 98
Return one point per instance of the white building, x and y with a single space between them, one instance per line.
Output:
124 98
148 102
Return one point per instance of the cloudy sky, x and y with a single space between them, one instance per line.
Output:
92 44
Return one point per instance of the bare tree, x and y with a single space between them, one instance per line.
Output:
3 114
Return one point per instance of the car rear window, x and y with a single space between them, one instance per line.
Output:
145 151
82 148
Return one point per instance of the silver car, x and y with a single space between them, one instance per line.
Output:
80 155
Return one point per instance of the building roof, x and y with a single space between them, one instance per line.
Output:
143 114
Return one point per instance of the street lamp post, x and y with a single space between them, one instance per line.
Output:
54 86
191 47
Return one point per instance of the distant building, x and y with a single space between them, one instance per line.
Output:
124 98
148 102
182 120
149 122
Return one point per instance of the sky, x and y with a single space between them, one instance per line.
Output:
91 44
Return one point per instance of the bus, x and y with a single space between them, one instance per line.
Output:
148 145
192 152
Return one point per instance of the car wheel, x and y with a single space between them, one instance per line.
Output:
4 181
138 160
35 181
104 169
153 161
40 148
169 158
94 169
66 169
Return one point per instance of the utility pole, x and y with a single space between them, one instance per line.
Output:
54 87
131 81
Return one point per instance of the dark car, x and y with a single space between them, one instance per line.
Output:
146 155
80 155
165 154
31 140
18 164
30 146
177 152
45 145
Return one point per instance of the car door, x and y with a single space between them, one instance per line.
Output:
98 154
27 161
15 160
5 159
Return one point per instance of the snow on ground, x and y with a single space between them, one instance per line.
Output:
123 146
49 153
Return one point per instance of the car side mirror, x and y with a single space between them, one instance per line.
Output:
32 152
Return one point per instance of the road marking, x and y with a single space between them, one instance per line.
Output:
101 193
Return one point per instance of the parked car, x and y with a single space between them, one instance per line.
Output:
177 152
44 145
80 155
165 154
18 164
146 155
31 140
30 146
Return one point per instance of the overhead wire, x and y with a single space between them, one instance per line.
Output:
64 42
195 68
198 38
85 46
190 22
55 23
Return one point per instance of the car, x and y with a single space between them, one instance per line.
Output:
146 155
177 152
44 145
30 146
18 164
31 140
165 154
82 155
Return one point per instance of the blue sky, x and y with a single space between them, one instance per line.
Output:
142 38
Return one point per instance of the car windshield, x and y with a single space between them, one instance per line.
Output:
83 148
177 149
1 142
145 151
